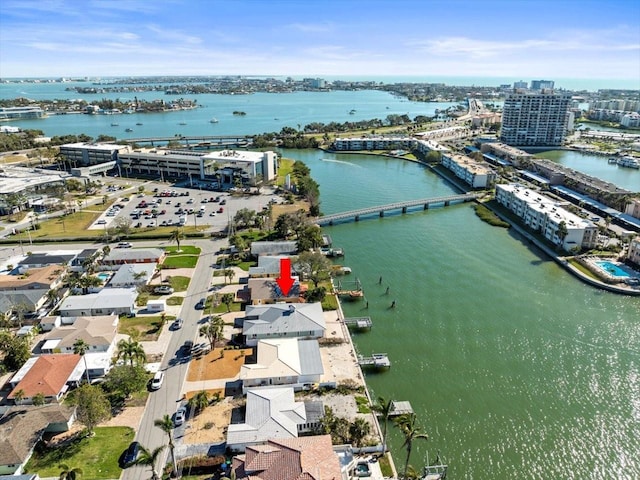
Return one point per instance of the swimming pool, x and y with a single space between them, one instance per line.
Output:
103 276
612 269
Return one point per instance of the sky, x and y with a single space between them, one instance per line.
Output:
484 38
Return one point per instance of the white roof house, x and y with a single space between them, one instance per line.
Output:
281 320
106 301
268 266
119 256
132 274
284 361
271 413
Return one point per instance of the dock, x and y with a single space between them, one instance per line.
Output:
350 289
361 323
376 360
400 408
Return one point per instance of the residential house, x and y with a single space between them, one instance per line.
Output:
261 291
273 413
38 260
132 275
26 302
273 248
284 361
310 458
268 266
282 320
106 301
21 428
120 256
49 375
80 261
42 278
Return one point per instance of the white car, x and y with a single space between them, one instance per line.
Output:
157 380
181 413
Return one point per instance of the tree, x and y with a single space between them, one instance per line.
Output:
92 406
212 330
358 431
149 458
166 425
315 267
176 236
88 281
199 401
126 379
80 347
69 473
18 396
39 399
245 217
131 350
17 352
310 237
562 232
383 407
227 299
411 432
229 272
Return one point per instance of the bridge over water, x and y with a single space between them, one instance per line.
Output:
403 207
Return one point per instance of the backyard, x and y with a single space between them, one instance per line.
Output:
149 327
97 456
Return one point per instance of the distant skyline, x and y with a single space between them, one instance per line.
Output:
493 38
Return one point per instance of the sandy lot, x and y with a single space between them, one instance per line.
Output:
214 367
211 424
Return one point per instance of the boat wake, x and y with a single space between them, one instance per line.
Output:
341 161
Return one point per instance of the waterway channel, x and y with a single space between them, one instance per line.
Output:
515 368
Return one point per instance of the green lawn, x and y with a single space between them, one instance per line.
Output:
97 456
178 283
184 250
175 300
148 326
180 261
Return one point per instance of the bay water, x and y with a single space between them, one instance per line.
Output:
515 368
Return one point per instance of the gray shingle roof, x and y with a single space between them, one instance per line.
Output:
283 318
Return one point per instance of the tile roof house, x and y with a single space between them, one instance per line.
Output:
132 275
22 427
98 332
106 301
303 458
273 413
47 278
50 375
120 256
284 361
282 320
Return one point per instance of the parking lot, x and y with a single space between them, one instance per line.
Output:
163 204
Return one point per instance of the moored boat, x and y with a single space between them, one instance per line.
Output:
628 162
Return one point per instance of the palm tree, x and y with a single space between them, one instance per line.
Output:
212 330
176 236
199 401
80 347
149 458
87 282
411 432
562 233
131 350
383 407
68 473
358 431
52 296
166 425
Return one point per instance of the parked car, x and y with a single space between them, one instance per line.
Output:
132 453
156 381
177 325
179 417
102 221
212 214
221 209
124 245
200 304
163 290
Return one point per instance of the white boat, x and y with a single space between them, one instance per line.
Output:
628 162
213 120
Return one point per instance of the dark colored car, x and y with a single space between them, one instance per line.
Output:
132 453
200 304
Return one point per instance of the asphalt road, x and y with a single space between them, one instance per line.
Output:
168 398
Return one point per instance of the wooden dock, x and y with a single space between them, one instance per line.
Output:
376 360
361 323
400 408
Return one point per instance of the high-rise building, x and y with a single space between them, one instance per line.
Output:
535 118
521 84
541 84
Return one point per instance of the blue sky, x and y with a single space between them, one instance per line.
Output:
495 38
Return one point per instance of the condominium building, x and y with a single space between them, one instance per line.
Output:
471 172
547 217
634 251
21 113
372 143
535 118
542 84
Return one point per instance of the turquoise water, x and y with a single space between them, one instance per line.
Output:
103 276
612 269
515 368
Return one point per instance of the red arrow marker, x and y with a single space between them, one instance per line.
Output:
285 282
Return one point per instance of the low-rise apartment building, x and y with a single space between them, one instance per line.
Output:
475 174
